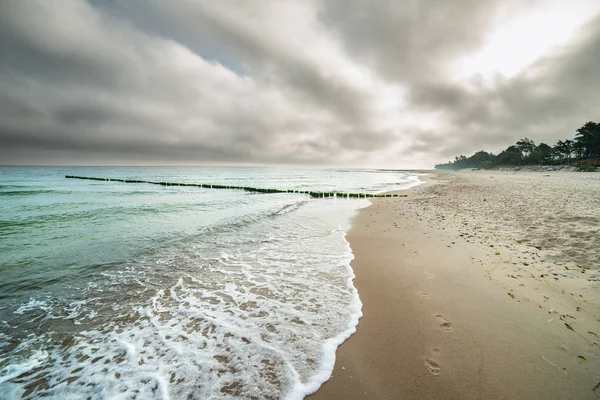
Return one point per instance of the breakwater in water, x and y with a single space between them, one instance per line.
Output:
246 188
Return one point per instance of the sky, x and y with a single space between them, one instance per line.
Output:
383 84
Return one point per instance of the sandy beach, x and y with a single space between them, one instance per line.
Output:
478 285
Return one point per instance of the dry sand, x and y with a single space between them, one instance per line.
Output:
479 285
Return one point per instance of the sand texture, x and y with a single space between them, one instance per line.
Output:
479 285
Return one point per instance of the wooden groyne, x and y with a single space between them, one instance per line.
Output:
246 188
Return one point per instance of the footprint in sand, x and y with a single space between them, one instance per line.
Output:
430 362
425 295
432 366
444 323
429 274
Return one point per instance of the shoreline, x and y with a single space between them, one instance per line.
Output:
442 316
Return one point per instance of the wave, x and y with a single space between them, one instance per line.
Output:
244 318
35 192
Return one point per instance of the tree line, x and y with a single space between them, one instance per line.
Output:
585 144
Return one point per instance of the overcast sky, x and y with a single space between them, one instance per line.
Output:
393 84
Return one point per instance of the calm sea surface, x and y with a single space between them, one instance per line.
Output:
136 291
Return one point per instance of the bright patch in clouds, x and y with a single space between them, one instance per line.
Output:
522 36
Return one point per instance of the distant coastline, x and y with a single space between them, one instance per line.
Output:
582 153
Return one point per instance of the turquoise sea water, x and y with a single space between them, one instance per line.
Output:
115 290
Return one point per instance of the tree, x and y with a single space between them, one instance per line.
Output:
587 140
526 146
481 159
564 149
511 156
569 148
541 155
585 144
481 156
460 162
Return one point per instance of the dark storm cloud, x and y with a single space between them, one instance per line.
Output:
275 82
411 39
201 25
95 81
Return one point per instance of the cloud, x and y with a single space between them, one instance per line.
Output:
418 46
548 101
307 82
411 40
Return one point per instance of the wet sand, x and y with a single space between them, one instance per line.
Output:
478 285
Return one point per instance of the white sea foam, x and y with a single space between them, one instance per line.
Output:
246 319
33 304
13 370
329 347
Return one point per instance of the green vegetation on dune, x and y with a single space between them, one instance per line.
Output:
583 151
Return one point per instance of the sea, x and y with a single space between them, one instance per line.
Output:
112 290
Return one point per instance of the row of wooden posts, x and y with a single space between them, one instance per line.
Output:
246 188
